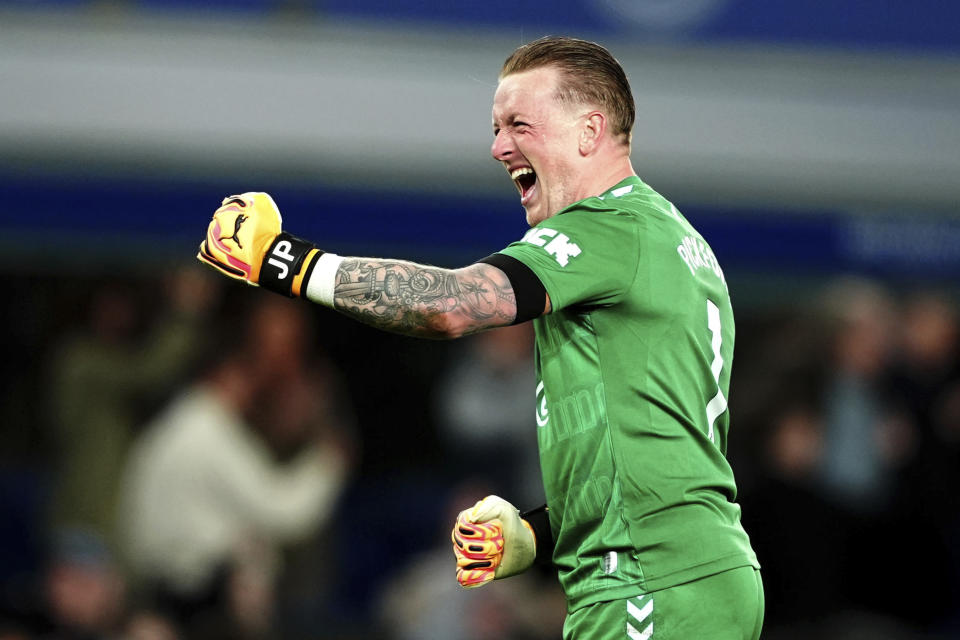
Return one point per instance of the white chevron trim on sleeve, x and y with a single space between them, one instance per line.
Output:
640 615
646 634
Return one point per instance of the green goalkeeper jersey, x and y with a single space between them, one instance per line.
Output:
633 368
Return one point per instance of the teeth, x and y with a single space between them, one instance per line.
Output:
516 173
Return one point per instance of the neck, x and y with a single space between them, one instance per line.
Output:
607 174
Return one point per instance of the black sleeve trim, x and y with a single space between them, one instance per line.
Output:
539 520
527 288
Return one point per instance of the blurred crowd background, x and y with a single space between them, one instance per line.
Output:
185 457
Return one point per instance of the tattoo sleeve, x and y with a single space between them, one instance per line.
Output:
418 300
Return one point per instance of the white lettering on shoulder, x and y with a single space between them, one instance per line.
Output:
697 255
539 235
560 246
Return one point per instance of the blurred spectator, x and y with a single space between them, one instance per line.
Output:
83 591
250 458
859 420
80 594
102 379
493 440
857 470
797 534
926 384
928 371
867 439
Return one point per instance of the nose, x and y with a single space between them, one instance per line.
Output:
502 147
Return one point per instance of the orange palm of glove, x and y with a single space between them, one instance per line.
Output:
479 550
240 234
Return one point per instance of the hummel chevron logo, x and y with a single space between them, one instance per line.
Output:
640 609
556 244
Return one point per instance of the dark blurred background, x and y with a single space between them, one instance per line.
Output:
185 457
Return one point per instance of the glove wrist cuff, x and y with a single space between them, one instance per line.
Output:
284 261
539 522
526 525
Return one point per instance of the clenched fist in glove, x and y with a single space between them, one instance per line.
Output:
245 241
492 541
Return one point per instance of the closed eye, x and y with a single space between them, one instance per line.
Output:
516 124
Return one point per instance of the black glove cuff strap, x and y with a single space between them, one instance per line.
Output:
283 262
539 521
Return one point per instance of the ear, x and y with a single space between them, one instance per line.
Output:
592 131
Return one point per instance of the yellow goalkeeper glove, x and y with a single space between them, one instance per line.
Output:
491 541
245 242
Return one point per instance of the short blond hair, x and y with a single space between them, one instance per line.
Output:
589 75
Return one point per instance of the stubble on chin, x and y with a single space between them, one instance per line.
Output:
535 217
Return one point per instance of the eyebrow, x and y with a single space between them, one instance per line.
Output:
511 118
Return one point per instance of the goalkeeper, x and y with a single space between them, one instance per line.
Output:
634 341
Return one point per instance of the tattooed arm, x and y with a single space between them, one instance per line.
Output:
418 300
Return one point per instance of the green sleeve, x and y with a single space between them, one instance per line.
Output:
582 256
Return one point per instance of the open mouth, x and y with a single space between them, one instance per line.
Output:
526 179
